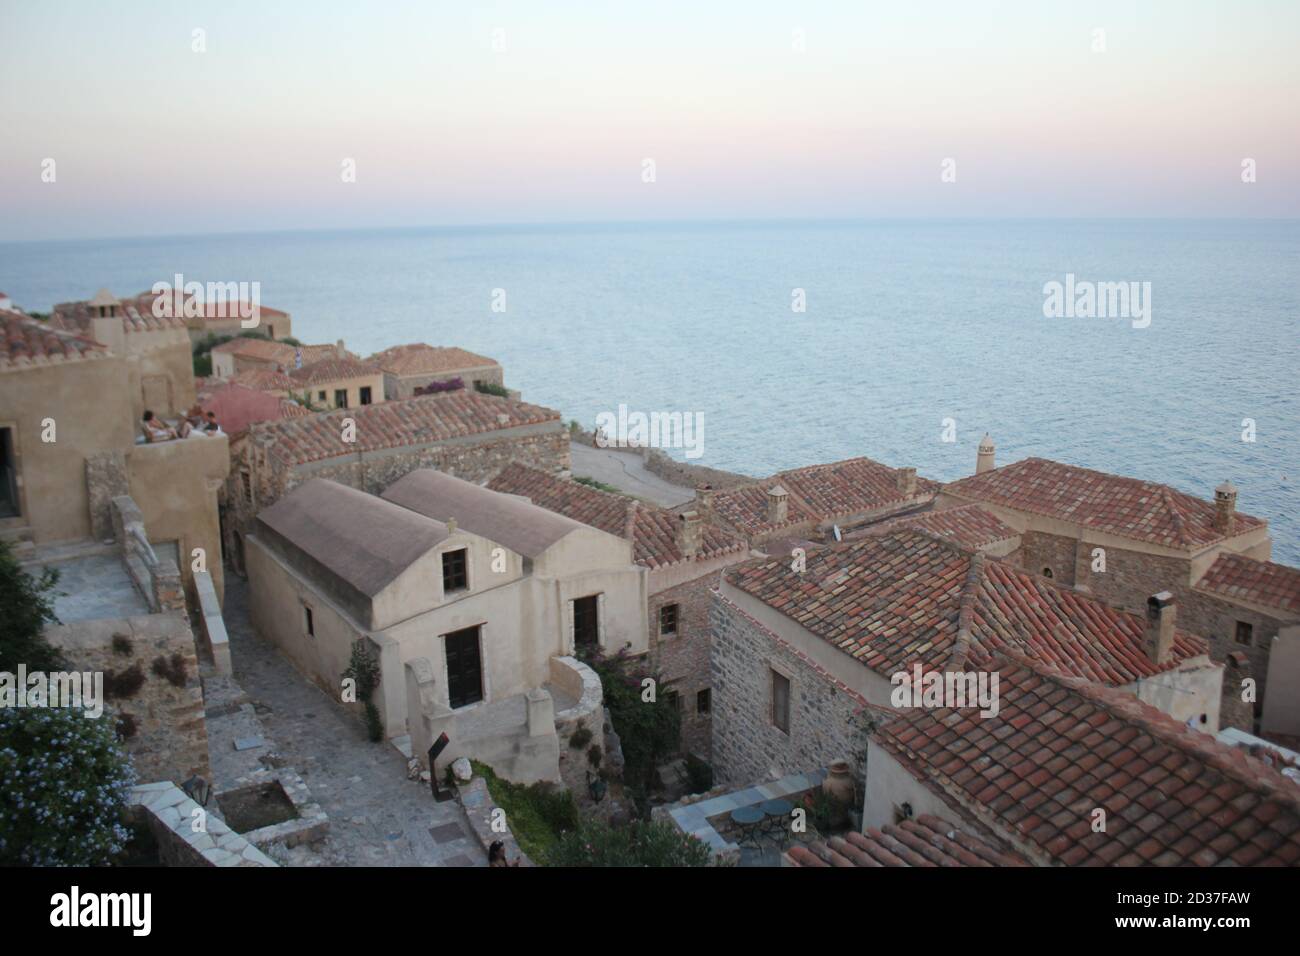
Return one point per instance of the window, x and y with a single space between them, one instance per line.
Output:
320 396
8 476
340 398
464 667
673 700
248 484
455 576
586 623
1244 632
308 621
668 619
703 701
365 395
781 702
1047 573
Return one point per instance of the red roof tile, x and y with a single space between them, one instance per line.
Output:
1241 578
1171 795
421 359
905 598
652 531
1122 506
819 493
136 316
238 407
332 370
924 841
263 380
968 525
26 342
413 421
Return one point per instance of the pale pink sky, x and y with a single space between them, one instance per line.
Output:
150 136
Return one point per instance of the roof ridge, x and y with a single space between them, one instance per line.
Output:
1175 512
966 611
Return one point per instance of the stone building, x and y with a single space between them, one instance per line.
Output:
463 433
682 558
410 367
70 439
339 383
1121 539
816 501
797 656
246 355
467 597
220 318
155 352
1071 772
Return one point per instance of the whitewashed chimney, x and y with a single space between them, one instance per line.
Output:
984 459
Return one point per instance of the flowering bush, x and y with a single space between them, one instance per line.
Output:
638 844
63 786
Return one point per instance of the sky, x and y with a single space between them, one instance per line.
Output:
481 112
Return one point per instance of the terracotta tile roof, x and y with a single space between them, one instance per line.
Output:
968 525
237 407
1061 746
264 349
1128 507
924 841
905 598
1260 582
231 309
263 380
332 370
421 359
652 531
27 343
412 421
820 493
136 316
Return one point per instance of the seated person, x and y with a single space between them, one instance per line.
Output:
212 426
156 429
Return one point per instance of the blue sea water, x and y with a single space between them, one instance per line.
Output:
908 323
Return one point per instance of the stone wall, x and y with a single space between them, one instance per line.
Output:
824 716
106 479
168 737
171 818
1039 551
682 661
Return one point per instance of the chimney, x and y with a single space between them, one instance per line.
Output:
339 350
688 533
1159 637
704 501
778 505
984 460
1225 508
906 481
451 525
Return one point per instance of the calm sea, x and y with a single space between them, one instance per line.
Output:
907 324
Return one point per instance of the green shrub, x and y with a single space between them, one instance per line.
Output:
639 844
374 724
488 388
26 606
537 814
581 737
598 485
64 781
699 773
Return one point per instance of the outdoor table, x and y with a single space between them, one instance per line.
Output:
749 820
777 814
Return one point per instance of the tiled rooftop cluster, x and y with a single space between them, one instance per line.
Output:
653 531
967 525
421 359
282 353
331 370
819 493
26 342
136 313
898 599
411 421
1241 578
1128 507
1062 747
925 841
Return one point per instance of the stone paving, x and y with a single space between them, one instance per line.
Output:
377 816
627 472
